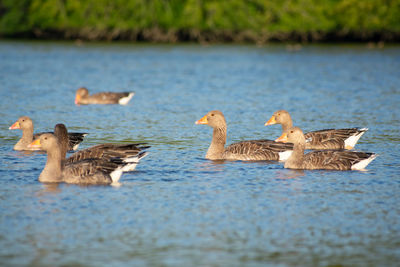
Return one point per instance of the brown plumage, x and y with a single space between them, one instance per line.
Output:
133 151
322 159
92 171
87 171
109 151
245 150
82 97
61 132
26 125
322 139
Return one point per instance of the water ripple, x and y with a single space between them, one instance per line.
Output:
176 208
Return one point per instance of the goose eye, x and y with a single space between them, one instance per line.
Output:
212 114
291 131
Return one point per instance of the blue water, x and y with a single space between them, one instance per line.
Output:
178 209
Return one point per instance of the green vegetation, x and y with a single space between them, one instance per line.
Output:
202 20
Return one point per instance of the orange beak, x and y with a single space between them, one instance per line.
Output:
202 120
77 99
283 138
270 121
15 126
35 144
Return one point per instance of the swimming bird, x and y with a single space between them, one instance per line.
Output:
322 139
25 124
86 171
322 159
132 152
245 150
82 97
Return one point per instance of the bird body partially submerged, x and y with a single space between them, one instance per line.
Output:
244 150
25 124
322 159
85 167
322 139
82 97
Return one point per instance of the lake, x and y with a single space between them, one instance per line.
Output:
176 208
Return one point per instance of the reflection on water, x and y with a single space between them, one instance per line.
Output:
49 188
289 174
177 208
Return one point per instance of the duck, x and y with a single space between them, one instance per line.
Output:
82 97
321 139
251 150
25 124
322 159
131 152
89 171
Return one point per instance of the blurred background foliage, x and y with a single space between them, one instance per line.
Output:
202 20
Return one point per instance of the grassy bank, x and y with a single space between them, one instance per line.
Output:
257 21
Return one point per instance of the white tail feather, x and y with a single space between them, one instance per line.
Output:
362 164
116 174
132 162
136 158
125 100
352 140
130 165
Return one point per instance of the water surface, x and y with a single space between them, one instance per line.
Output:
178 209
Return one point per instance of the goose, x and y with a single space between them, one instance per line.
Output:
82 97
322 159
25 124
244 150
86 172
322 139
132 152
